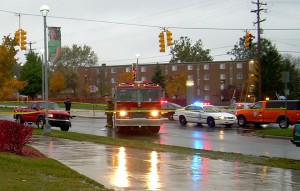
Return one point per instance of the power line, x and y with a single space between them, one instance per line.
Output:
153 26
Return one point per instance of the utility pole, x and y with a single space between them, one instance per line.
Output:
30 43
257 11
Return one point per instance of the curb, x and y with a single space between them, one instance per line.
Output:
274 137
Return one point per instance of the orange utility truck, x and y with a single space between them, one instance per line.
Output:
283 112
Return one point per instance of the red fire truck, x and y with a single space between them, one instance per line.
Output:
137 106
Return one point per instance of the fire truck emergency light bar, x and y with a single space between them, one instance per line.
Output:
137 83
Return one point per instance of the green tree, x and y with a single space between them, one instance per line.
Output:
7 62
240 52
184 51
158 77
31 72
77 56
271 70
71 59
272 66
293 86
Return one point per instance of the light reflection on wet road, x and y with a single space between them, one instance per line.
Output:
131 169
235 140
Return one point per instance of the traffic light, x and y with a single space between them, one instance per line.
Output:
133 74
169 38
23 39
134 65
17 37
248 39
162 42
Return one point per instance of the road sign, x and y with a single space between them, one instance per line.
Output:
93 89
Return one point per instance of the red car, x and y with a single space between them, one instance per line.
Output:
35 112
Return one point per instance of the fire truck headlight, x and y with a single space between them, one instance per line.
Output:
50 115
154 113
123 113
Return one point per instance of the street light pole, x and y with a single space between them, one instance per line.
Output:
42 52
137 67
44 10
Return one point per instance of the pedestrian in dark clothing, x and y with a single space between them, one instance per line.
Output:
68 103
109 113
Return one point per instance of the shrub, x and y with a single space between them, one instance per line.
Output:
13 136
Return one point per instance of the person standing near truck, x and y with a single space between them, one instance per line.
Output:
109 113
68 103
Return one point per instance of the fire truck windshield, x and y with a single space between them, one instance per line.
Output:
138 95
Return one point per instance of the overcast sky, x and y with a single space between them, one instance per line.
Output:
119 29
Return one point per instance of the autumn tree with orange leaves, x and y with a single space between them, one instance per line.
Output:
57 82
7 60
176 85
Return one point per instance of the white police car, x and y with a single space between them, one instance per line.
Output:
204 114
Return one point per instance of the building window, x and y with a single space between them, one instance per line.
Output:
239 76
128 69
143 78
222 76
190 67
239 65
222 86
222 66
198 92
206 98
206 87
113 70
206 76
174 68
206 67
113 80
190 77
143 69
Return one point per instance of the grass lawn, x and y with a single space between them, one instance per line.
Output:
275 132
28 173
75 105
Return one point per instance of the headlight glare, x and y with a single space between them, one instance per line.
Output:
123 113
154 113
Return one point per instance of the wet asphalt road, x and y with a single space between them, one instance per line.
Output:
236 140
131 169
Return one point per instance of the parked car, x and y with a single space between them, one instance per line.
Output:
237 106
35 113
296 135
204 114
168 109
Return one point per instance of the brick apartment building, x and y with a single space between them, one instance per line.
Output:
215 82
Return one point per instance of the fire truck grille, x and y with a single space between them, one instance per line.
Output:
139 114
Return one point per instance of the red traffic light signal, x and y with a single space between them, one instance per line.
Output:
133 74
248 39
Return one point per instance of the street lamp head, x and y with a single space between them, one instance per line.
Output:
137 56
44 10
